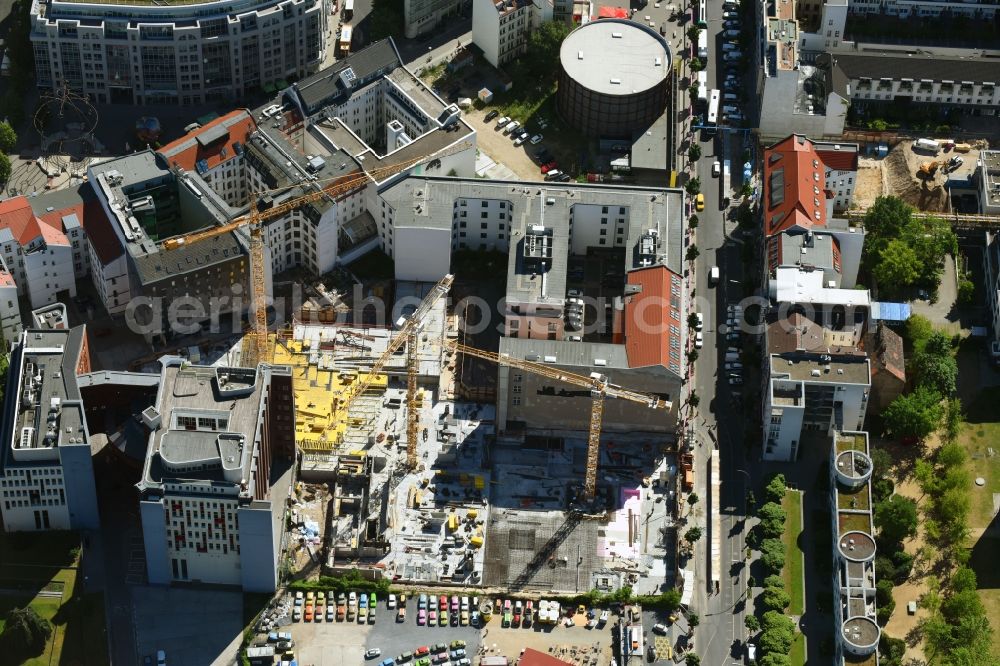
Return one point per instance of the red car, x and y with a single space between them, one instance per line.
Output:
421 651
443 602
549 167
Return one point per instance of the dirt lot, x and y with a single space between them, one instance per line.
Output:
499 146
897 174
560 641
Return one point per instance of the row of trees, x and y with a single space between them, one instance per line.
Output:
932 363
777 630
902 252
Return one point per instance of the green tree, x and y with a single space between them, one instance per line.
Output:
25 632
777 633
891 650
5 168
896 518
966 291
693 499
772 520
963 580
8 137
898 267
691 659
954 419
918 330
693 221
961 605
545 41
693 620
693 186
385 19
692 253
693 33
775 659
775 598
772 555
752 623
775 489
746 189
694 399
773 580
881 462
696 65
694 152
939 372
885 219
692 535
915 414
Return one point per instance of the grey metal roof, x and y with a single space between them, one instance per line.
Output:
615 57
919 66
163 264
117 378
649 147
578 354
323 87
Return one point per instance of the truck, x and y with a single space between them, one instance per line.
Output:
927 145
687 467
703 46
548 612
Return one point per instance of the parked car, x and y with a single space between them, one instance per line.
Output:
537 139
519 141
699 340
371 653
716 168
491 115
549 166
510 126
501 121
699 202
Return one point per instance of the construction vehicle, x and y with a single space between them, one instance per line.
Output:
929 168
599 386
255 352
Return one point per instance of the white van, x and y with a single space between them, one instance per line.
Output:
713 275
511 126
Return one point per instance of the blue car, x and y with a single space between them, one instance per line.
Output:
388 662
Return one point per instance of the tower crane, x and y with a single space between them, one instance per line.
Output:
409 329
255 352
599 386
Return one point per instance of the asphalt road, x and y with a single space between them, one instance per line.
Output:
719 423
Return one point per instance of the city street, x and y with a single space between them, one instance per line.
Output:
720 594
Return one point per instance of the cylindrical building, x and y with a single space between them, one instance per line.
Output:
614 77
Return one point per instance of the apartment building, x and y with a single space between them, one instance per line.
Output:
215 152
214 486
856 625
154 53
988 182
500 28
817 375
365 122
799 95
805 182
38 253
11 324
46 473
991 283
982 10
421 17
144 203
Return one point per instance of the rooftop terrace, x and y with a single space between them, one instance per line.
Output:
810 368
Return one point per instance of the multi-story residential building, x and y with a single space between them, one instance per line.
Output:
855 621
215 152
145 202
633 331
885 351
420 17
500 28
365 121
983 10
988 182
11 324
46 473
796 95
38 253
146 52
817 376
991 282
217 474
803 182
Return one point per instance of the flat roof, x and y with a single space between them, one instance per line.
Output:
811 368
919 65
795 285
47 408
615 57
595 355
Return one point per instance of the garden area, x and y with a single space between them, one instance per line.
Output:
44 619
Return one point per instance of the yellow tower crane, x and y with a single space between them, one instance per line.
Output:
409 328
599 386
256 351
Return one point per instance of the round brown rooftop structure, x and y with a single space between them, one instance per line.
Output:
614 78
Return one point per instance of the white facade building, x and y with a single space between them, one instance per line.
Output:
145 52
501 27
11 324
816 376
420 17
38 253
983 10
46 473
988 179
209 510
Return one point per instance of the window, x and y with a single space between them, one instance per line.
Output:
516 401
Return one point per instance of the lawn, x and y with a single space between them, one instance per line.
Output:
980 435
991 600
37 563
797 654
792 572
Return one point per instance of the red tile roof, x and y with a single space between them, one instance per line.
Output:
839 160
6 279
794 184
532 657
95 223
187 151
649 314
16 215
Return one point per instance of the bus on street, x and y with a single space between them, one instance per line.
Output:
712 119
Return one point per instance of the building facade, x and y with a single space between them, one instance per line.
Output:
211 502
39 254
47 476
146 52
988 182
420 17
501 28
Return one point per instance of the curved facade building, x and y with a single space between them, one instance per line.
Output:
157 52
614 78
